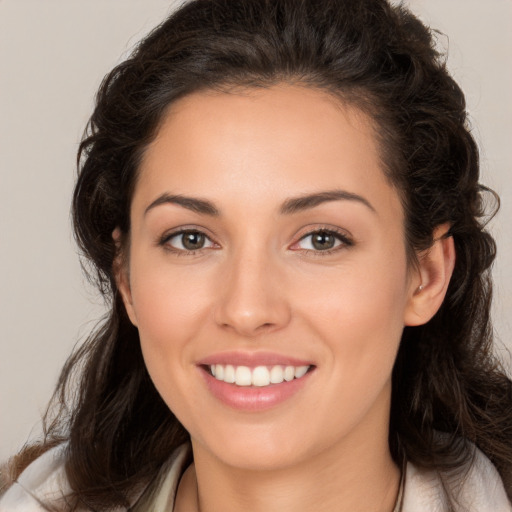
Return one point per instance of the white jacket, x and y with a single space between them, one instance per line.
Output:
481 490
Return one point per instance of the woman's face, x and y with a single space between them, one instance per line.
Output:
266 240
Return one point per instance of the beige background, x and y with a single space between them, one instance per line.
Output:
53 54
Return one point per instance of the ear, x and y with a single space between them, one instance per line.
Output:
122 277
431 279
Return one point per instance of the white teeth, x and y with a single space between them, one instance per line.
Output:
300 371
229 374
276 375
243 376
219 372
289 373
259 376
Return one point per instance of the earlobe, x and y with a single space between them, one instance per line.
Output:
434 272
122 277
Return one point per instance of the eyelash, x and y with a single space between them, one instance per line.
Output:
164 242
338 234
341 236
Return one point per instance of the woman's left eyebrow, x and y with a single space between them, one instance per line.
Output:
297 204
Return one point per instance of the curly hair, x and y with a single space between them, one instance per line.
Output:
372 55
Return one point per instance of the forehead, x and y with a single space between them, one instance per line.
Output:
263 145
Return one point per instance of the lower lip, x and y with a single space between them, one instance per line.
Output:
253 398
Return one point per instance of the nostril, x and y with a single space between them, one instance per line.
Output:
251 314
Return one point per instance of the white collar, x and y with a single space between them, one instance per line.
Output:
477 487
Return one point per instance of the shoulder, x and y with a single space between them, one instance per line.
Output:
161 493
476 487
44 485
43 482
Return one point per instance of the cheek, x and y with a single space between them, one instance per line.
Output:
165 297
361 314
359 321
361 292
170 307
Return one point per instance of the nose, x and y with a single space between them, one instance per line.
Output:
252 296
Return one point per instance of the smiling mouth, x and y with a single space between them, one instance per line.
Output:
259 376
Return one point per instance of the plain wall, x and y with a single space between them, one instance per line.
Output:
53 55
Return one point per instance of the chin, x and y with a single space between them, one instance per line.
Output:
261 448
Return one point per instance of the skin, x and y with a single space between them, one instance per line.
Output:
258 285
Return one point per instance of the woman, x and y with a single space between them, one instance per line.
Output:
281 200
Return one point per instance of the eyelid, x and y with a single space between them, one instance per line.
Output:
342 235
168 235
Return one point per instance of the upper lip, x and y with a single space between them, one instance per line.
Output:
253 359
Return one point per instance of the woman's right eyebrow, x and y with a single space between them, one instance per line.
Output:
202 206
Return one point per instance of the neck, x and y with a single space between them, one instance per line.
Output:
358 475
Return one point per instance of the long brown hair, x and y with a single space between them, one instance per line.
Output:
376 57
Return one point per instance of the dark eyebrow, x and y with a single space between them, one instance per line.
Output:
298 204
290 206
191 203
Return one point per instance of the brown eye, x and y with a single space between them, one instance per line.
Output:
323 240
188 241
193 241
